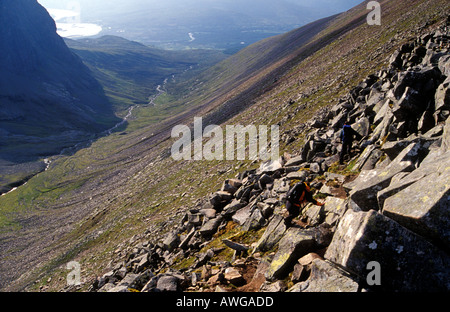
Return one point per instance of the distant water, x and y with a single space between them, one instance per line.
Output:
69 24
78 30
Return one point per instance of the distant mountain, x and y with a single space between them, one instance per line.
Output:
225 24
45 89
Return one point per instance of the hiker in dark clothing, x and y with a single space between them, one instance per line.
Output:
347 138
296 197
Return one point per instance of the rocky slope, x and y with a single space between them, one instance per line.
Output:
112 200
388 207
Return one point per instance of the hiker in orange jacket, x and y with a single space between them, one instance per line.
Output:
296 197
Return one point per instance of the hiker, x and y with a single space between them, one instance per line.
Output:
347 137
296 197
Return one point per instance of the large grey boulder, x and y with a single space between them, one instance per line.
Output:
334 209
171 242
442 97
408 262
444 65
211 227
295 161
167 283
232 208
445 146
326 278
220 199
363 190
422 199
362 126
272 235
408 105
255 221
294 244
242 215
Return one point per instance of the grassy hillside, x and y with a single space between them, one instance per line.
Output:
125 187
130 72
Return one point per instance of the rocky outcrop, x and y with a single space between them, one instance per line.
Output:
389 218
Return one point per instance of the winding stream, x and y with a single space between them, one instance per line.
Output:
160 90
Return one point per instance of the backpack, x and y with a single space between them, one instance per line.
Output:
296 192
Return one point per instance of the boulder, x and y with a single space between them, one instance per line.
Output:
229 188
325 278
364 157
382 111
266 209
184 244
269 166
338 122
210 227
442 97
362 127
231 208
194 218
116 289
314 215
363 190
300 175
254 222
416 80
274 232
264 180
444 65
295 161
233 276
142 264
295 244
408 262
171 242
278 286
381 131
427 121
299 274
234 182
109 287
242 215
208 213
235 246
281 185
220 199
445 146
420 201
334 209
167 283
408 106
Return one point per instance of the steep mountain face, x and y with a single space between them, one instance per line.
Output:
44 88
49 100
